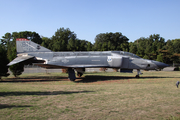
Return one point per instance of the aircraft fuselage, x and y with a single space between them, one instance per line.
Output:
30 51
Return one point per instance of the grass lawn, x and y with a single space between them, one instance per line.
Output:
94 96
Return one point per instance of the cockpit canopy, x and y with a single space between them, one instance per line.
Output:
126 54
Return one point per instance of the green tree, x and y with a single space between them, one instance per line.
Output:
47 43
132 47
33 36
169 47
6 39
167 52
104 46
89 46
176 45
78 45
149 47
83 45
158 43
72 45
3 61
111 41
9 41
61 38
146 57
160 58
141 46
16 69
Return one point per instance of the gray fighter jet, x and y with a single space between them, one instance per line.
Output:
43 57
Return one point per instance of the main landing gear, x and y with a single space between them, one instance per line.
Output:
138 73
71 73
79 74
80 71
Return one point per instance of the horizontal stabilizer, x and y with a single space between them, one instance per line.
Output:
20 59
126 70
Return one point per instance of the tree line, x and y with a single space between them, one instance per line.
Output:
153 47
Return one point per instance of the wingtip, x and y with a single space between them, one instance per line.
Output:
10 64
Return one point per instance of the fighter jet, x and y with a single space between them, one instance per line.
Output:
31 52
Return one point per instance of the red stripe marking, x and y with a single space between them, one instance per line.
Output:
22 39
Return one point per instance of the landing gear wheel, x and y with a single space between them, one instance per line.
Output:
72 79
71 74
138 73
137 76
79 74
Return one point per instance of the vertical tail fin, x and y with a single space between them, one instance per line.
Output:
24 45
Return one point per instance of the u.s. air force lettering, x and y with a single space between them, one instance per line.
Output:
65 61
26 46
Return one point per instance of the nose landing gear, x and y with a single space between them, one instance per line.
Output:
138 73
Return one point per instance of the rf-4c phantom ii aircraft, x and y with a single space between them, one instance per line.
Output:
43 57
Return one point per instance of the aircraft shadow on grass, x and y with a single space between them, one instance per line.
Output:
85 79
2 106
35 79
21 93
96 78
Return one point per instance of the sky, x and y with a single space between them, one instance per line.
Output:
88 18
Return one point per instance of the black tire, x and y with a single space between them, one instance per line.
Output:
72 79
137 76
79 74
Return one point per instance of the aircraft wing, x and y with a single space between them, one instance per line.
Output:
19 59
48 66
86 66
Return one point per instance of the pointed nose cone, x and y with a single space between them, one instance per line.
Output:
160 64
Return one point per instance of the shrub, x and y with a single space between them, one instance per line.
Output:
176 69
